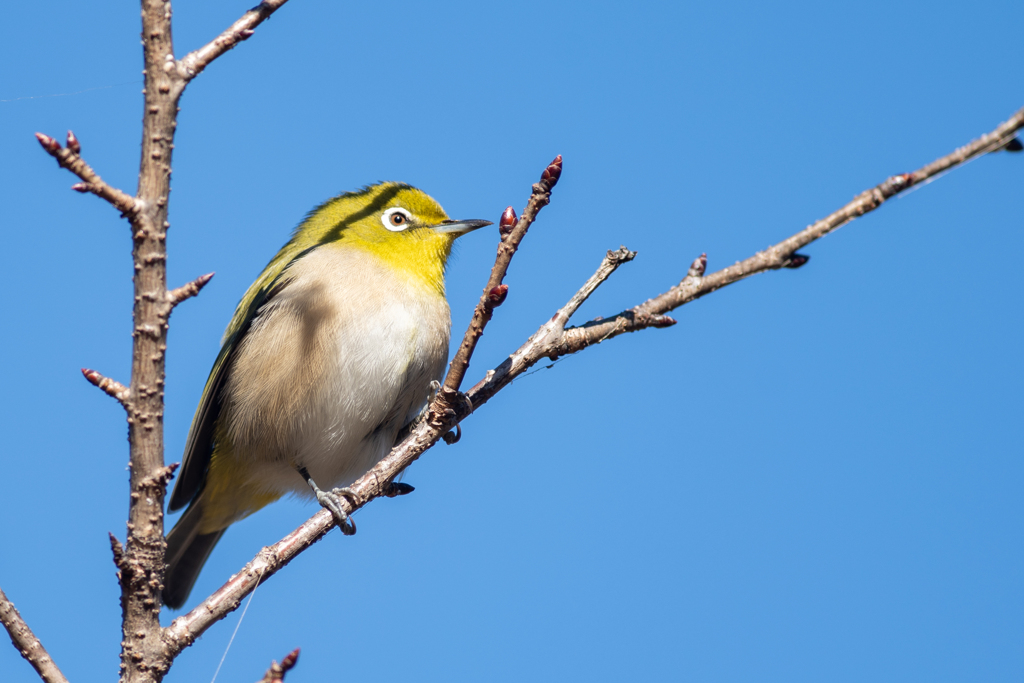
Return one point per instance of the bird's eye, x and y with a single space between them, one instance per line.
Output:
396 219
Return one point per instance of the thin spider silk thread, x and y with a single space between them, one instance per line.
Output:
68 94
235 632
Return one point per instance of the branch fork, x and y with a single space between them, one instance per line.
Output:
68 157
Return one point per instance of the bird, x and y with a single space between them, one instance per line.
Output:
337 345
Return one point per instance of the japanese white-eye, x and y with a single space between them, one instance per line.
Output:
332 350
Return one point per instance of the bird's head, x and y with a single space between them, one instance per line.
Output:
397 223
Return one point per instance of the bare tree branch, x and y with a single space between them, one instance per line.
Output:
547 340
189 290
276 672
111 386
192 64
551 340
141 567
512 233
611 263
141 561
69 158
783 254
27 644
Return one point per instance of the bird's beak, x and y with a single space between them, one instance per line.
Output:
457 228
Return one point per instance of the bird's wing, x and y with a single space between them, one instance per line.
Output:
200 443
199 446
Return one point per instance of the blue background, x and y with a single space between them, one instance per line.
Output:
816 475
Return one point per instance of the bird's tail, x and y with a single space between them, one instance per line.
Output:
187 551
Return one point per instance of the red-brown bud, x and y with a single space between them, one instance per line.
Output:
507 222
73 143
552 173
290 659
80 187
48 143
93 376
497 295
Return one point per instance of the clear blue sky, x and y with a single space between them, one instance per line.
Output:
816 475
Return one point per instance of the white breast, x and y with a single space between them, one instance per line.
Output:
333 367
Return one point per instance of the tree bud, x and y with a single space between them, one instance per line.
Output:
552 173
507 222
497 295
48 143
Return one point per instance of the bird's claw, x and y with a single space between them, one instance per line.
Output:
453 436
331 501
432 390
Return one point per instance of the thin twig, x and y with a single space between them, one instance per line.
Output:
276 672
611 263
27 644
192 64
110 386
547 341
69 158
783 254
551 340
188 290
512 232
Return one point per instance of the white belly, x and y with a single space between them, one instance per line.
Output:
333 367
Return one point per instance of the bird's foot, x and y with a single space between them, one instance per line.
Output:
331 501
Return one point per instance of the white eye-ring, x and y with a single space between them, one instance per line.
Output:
396 219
